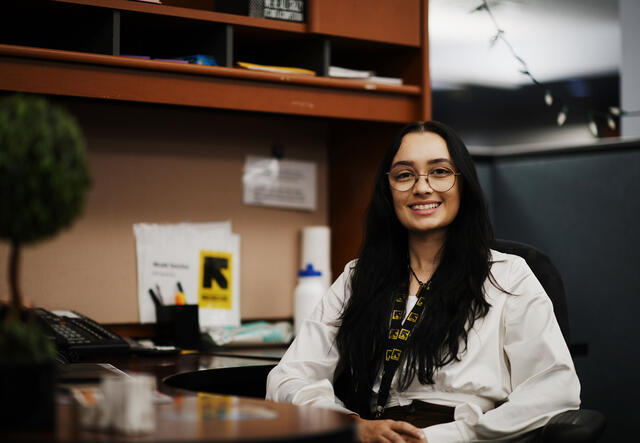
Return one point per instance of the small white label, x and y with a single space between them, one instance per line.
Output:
64 313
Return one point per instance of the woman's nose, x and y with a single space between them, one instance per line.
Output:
422 185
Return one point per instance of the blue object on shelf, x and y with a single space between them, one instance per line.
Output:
201 59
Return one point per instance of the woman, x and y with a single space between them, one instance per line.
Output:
430 334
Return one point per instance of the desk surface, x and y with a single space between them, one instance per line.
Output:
184 415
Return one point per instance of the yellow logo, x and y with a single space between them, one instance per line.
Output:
420 301
215 287
397 314
404 334
393 354
413 317
393 334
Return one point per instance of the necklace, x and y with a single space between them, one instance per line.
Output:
421 283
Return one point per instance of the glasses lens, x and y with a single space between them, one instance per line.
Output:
441 179
402 179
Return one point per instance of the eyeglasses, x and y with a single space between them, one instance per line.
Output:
440 179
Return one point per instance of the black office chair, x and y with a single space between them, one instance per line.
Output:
582 425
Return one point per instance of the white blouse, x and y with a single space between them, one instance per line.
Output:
515 374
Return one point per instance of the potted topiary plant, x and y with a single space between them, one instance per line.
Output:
43 182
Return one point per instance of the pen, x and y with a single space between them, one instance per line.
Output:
155 298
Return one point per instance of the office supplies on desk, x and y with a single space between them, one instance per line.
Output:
203 257
121 404
258 333
308 293
178 325
77 336
155 298
315 249
147 347
180 298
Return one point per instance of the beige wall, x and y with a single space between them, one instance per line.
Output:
164 164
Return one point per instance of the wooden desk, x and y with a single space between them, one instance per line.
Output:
201 417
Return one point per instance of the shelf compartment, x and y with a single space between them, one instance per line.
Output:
387 60
278 48
119 78
167 37
45 24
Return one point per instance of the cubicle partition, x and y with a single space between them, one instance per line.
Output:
581 207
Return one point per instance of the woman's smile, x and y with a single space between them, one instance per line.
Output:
425 208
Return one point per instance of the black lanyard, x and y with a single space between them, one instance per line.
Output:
397 340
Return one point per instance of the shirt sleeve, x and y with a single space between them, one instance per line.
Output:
305 373
542 376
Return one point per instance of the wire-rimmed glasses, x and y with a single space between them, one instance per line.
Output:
440 178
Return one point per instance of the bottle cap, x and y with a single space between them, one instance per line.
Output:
309 272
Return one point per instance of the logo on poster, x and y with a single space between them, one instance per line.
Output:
215 287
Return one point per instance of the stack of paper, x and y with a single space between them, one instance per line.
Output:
368 76
277 69
337 71
385 80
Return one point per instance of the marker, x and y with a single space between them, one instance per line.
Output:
180 298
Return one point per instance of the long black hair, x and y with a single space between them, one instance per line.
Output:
455 302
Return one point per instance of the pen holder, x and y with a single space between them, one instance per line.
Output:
178 325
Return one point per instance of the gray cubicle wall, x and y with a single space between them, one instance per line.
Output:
583 209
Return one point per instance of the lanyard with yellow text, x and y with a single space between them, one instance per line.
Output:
397 340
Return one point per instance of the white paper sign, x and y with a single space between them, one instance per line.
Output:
203 257
279 183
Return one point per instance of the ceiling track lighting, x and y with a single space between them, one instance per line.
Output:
613 113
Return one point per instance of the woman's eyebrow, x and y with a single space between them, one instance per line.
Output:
402 163
430 162
439 160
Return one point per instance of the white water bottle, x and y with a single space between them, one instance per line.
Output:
307 294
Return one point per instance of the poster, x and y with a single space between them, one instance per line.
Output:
201 258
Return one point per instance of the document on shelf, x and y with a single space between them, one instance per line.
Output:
338 72
385 80
276 69
367 76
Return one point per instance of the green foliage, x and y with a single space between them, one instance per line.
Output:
43 169
23 342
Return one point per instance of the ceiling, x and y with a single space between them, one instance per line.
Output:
558 39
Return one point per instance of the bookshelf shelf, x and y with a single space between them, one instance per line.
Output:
58 72
74 47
